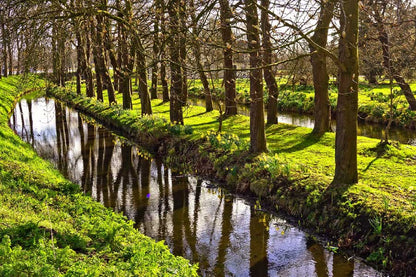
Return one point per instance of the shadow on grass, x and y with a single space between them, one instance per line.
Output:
204 123
306 141
380 150
160 104
195 115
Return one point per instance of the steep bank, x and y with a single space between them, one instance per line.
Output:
49 228
374 218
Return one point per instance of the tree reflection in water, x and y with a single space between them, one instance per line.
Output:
223 233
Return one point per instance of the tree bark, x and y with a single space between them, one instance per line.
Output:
347 108
163 78
267 60
146 105
383 37
4 42
322 108
257 132
83 66
176 114
127 54
80 59
182 50
153 88
10 55
197 54
109 47
100 59
98 71
229 74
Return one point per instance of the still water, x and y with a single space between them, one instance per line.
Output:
195 218
372 130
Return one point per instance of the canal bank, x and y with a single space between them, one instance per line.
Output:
374 218
48 227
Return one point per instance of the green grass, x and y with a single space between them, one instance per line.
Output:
49 228
296 174
374 101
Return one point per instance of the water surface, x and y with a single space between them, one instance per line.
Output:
195 218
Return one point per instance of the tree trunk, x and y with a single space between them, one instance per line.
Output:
153 88
385 46
127 53
176 115
229 74
347 108
80 58
83 65
4 40
406 91
146 105
257 132
10 55
98 71
322 108
109 47
197 54
267 60
101 66
182 51
163 78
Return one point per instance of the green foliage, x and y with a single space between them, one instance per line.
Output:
377 224
49 228
225 141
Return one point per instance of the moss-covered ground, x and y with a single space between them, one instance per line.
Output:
49 228
375 218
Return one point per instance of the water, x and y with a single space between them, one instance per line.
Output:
196 219
372 130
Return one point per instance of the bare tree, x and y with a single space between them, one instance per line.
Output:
267 61
322 108
347 107
229 74
257 132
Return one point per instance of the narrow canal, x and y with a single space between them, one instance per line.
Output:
195 218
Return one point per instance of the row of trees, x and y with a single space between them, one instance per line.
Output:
109 43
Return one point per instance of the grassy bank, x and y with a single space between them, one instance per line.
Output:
375 218
374 100
49 228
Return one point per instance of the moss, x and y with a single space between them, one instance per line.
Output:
49 228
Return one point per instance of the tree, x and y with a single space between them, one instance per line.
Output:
380 9
322 108
267 61
156 43
101 66
176 114
146 105
127 54
163 78
347 107
257 132
196 46
229 74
